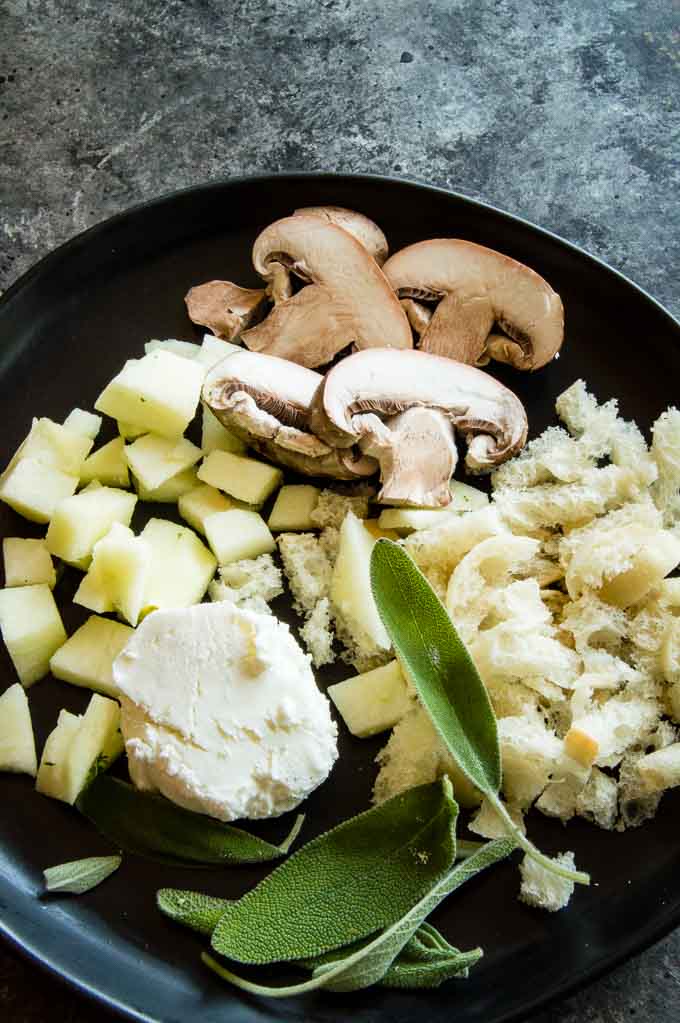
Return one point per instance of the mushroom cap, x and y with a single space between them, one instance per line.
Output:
347 301
267 402
223 307
479 286
386 382
359 226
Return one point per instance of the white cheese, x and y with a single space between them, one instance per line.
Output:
221 713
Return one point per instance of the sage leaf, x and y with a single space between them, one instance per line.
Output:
445 677
404 973
195 910
79 876
349 882
372 961
152 826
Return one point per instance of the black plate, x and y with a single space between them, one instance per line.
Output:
65 329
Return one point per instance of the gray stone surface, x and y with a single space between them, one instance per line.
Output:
563 112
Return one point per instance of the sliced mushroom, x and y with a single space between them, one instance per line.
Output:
360 227
224 308
477 287
419 315
347 300
380 384
417 454
267 402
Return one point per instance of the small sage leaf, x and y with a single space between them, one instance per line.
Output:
446 680
370 963
404 973
193 909
149 825
79 876
347 883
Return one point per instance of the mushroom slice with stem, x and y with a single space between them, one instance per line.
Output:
267 402
347 299
476 288
224 308
380 384
359 226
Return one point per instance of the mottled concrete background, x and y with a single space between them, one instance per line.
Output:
564 111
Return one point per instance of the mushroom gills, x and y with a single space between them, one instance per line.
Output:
417 453
224 308
477 287
267 402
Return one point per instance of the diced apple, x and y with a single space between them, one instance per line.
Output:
27 562
31 628
56 445
158 393
154 460
17 743
244 478
81 520
181 566
238 534
215 437
129 431
86 658
408 520
98 735
34 489
379 532
293 507
374 701
107 464
85 423
660 769
170 491
214 349
186 349
119 571
50 780
351 585
199 502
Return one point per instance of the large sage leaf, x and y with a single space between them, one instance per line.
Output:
371 963
349 882
149 825
446 679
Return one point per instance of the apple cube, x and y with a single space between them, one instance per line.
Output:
98 736
238 534
107 464
86 658
186 349
154 460
293 508
408 520
215 437
374 701
200 502
56 445
31 628
81 520
243 478
181 566
214 349
119 571
17 743
85 423
351 585
27 562
129 431
158 393
50 780
170 491
34 489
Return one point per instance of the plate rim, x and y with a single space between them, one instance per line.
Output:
658 928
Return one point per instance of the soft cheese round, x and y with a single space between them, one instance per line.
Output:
221 712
